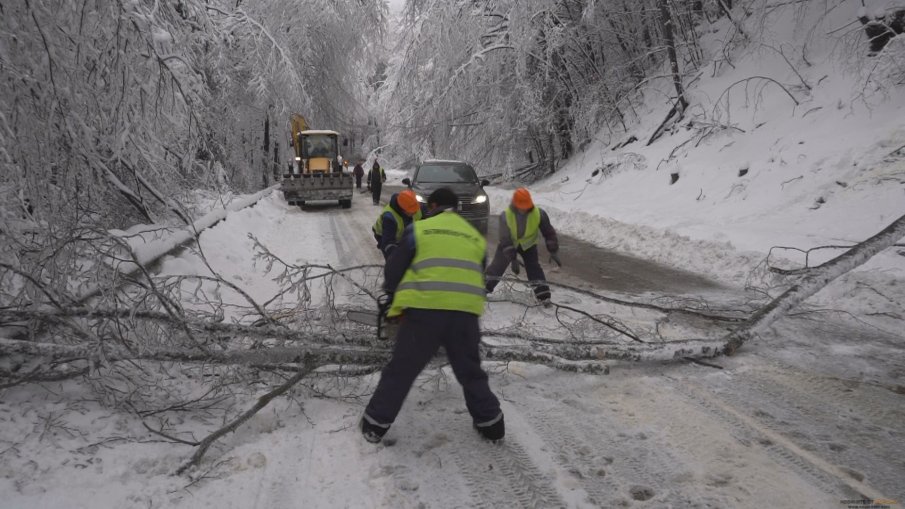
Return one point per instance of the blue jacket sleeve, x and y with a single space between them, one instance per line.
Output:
388 238
399 260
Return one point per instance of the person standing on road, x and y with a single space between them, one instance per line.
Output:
436 280
376 178
359 172
402 211
520 225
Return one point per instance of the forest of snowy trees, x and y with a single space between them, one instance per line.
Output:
113 108
113 112
520 86
116 109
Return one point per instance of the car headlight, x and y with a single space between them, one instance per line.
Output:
481 198
420 198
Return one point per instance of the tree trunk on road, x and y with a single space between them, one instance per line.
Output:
815 281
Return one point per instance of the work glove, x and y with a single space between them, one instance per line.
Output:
509 253
383 303
554 257
514 266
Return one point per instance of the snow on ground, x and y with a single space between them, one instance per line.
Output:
150 242
778 427
807 416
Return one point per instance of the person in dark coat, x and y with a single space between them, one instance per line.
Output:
359 173
376 178
436 280
520 225
401 211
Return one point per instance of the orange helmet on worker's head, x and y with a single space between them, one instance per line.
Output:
408 202
521 199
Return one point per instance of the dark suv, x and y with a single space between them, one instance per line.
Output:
474 205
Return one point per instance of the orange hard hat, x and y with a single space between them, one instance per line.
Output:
521 198
408 202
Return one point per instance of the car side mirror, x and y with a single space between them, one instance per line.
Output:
485 182
407 181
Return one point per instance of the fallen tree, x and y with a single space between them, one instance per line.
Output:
111 343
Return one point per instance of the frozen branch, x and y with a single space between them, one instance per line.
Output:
814 281
235 423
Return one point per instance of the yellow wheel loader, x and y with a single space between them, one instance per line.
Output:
318 171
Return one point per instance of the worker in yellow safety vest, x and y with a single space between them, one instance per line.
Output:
436 278
400 212
521 225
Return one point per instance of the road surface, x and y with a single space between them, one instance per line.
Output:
797 419
588 266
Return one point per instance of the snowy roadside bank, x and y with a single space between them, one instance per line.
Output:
150 242
812 155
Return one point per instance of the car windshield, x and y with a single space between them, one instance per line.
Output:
446 174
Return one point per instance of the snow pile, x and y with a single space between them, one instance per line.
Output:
150 242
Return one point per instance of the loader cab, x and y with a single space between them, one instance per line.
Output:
318 151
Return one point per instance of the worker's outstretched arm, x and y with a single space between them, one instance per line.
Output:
388 238
399 260
549 233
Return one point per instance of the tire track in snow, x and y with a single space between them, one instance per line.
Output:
634 467
578 458
356 225
826 476
495 475
725 471
503 475
825 425
342 252
881 406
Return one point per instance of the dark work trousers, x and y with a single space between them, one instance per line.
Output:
420 335
375 193
535 272
357 181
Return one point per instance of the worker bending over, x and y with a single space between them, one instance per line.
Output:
520 226
402 210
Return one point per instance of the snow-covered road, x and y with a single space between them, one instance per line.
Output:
769 430
806 418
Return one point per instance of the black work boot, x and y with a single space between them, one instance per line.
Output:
492 430
372 432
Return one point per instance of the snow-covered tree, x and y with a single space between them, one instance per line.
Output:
113 112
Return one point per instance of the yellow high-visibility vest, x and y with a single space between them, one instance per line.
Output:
446 272
532 228
400 226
